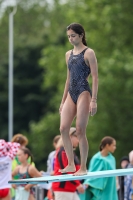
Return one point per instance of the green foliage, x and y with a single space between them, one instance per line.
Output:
29 97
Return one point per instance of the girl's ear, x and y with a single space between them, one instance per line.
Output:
27 156
107 145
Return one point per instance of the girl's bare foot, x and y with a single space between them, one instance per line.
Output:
80 172
68 168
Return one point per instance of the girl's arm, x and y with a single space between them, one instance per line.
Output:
66 84
15 171
33 172
94 73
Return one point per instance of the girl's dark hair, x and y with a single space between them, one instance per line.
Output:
78 28
27 151
106 140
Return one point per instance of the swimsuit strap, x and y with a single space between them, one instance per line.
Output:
79 53
84 50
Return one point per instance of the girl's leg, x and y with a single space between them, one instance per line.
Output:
8 197
81 123
67 115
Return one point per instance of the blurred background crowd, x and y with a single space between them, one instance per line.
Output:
16 162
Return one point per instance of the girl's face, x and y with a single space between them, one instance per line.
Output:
73 37
124 163
112 147
22 156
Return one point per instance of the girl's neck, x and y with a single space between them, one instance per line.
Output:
24 164
104 152
79 47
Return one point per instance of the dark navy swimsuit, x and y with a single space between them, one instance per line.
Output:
79 72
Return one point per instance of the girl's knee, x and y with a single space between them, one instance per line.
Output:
80 131
63 129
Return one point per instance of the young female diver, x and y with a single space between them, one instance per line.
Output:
78 99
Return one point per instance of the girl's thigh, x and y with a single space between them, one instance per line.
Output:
68 112
8 197
83 104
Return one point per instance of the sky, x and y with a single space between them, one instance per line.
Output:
4 4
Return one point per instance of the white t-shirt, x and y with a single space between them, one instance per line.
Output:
50 162
8 152
5 172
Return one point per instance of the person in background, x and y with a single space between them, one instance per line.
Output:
25 170
48 193
66 190
102 188
8 151
128 180
51 156
23 141
124 163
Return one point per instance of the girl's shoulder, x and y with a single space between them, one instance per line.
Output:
68 53
97 155
16 170
31 167
96 158
89 51
18 167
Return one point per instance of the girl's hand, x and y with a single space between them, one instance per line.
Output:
93 108
80 189
61 106
14 186
27 187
